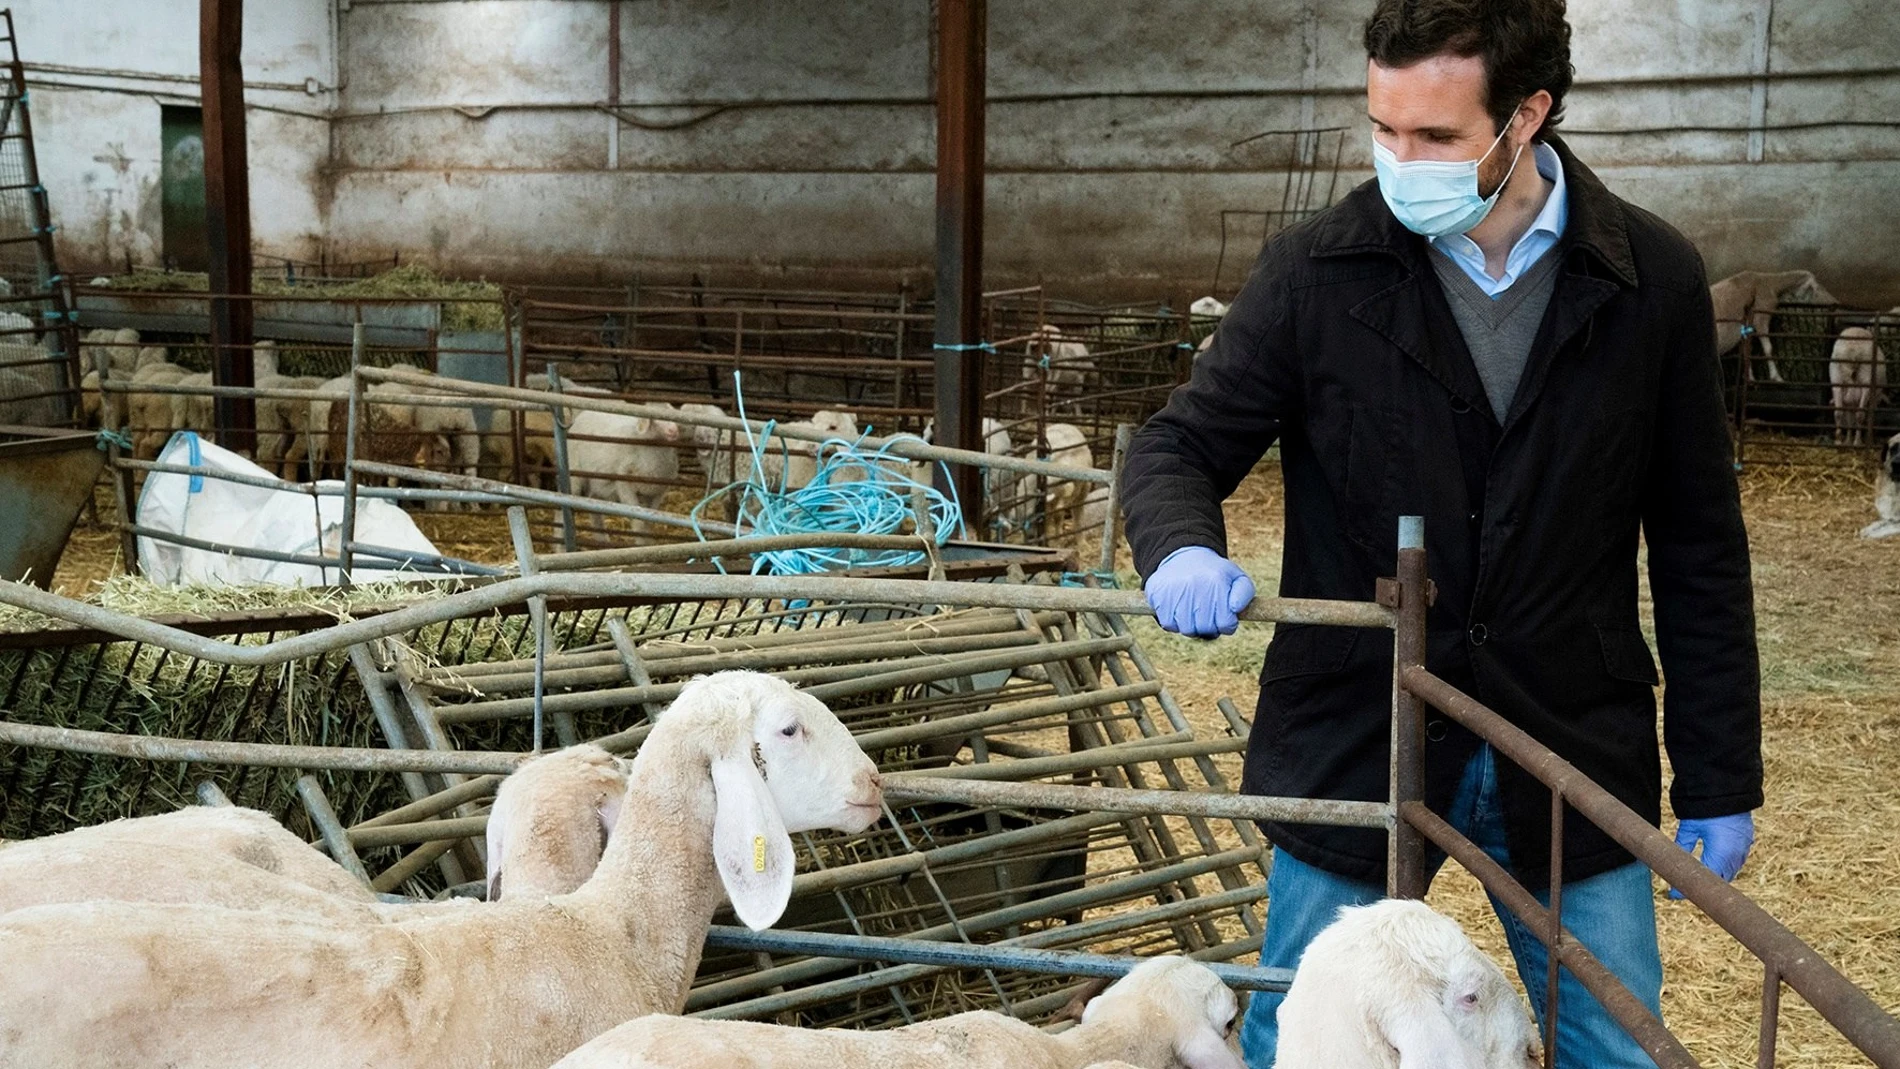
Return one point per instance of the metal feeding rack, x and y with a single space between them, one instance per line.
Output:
1050 808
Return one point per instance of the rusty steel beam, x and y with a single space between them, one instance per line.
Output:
227 216
1852 1012
1406 875
962 41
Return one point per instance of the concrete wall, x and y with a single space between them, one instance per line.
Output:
767 138
99 72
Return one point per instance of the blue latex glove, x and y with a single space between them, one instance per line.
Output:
1725 843
1198 593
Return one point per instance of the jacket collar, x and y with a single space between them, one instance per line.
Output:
1362 223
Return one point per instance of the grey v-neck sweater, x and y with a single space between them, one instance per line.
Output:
1499 330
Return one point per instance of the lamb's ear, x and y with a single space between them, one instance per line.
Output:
1425 1038
1209 1044
609 814
750 844
497 839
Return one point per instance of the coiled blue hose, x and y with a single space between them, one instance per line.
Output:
855 491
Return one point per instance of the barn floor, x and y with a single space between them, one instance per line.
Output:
1828 606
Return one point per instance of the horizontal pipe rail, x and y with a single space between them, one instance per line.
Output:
258 754
510 592
920 787
1849 1009
965 955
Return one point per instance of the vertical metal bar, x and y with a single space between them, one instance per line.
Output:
1405 848
563 477
636 668
227 215
1555 929
345 559
1111 518
63 326
1770 1016
1745 373
962 33
613 85
122 495
331 828
210 794
537 613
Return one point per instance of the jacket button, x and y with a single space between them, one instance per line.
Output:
1460 406
1437 730
1473 517
1478 634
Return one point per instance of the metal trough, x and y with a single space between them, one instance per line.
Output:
46 477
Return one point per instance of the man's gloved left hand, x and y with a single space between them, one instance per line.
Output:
1725 843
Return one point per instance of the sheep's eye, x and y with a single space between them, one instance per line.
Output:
1470 999
789 730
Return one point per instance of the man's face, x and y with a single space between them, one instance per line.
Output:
1434 110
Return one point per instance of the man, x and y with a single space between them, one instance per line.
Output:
1487 337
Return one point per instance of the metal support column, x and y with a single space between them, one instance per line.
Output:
962 37
1405 851
227 216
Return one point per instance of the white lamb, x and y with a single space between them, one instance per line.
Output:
552 818
1749 298
1394 985
1067 498
1167 1012
1857 371
636 465
737 763
1063 362
545 832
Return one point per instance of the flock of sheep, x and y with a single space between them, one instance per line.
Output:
629 460
1856 367
215 937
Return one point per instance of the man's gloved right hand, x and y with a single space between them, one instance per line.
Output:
1198 593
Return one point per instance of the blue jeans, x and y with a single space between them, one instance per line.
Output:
1613 914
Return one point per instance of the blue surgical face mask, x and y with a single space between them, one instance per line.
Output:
1435 198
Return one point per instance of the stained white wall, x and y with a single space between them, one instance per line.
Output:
796 139
98 72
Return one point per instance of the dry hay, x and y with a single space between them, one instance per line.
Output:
467 305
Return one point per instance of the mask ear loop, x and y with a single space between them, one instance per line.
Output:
1514 159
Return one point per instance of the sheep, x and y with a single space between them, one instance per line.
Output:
30 381
1167 1012
545 832
737 763
1064 363
999 485
640 449
552 818
451 439
283 424
1749 298
386 431
1067 498
222 856
150 414
1857 370
1395 984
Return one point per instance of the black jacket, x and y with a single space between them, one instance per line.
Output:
1343 348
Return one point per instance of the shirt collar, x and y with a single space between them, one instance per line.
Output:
1556 206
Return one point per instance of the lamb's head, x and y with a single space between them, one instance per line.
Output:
781 762
1182 1000
551 821
1890 460
842 424
1416 981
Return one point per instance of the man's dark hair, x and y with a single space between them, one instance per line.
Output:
1525 45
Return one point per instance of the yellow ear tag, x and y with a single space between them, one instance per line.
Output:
758 853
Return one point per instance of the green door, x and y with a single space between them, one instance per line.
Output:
181 179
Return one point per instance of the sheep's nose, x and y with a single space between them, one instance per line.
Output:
871 783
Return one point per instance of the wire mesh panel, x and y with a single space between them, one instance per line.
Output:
1818 380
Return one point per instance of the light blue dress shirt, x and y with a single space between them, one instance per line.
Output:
1544 232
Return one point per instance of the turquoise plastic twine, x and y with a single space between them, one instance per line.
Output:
854 491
